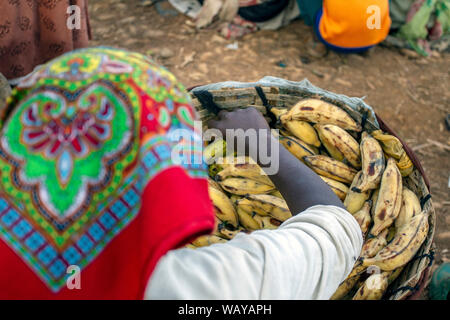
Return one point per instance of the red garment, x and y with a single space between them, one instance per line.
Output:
170 197
160 205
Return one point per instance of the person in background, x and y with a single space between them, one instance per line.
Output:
94 206
34 32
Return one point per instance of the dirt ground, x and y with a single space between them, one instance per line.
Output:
410 93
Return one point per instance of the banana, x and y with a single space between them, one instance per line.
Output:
243 186
207 240
223 207
345 287
405 165
267 222
394 148
391 233
190 246
277 193
389 200
363 217
394 274
213 184
244 169
373 245
278 112
319 111
404 246
330 168
374 287
354 200
340 144
303 131
264 204
297 147
246 219
410 207
374 199
221 230
372 163
214 150
338 188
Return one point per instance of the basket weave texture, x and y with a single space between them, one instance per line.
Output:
276 92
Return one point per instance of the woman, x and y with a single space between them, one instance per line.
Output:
93 206
33 32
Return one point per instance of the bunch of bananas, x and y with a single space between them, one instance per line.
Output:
366 170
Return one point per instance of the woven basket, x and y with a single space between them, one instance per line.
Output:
269 91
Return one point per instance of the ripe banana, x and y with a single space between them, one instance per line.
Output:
303 131
354 200
389 200
319 111
338 188
244 169
330 168
394 148
372 163
222 231
404 246
214 150
265 204
246 219
297 147
374 287
277 193
267 222
345 287
373 245
243 186
207 240
363 217
213 184
410 207
374 199
340 144
223 207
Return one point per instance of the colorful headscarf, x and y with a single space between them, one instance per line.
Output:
86 152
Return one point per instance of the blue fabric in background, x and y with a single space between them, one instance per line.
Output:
309 10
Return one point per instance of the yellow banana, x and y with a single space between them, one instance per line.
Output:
374 199
319 111
221 230
277 193
410 207
330 168
374 287
354 200
391 233
264 204
207 240
345 287
297 147
267 222
214 150
373 245
403 247
405 165
393 147
372 162
246 219
223 207
213 184
278 112
244 169
303 131
243 186
363 217
389 200
338 188
190 246
339 143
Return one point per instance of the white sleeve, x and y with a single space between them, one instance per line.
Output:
307 257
